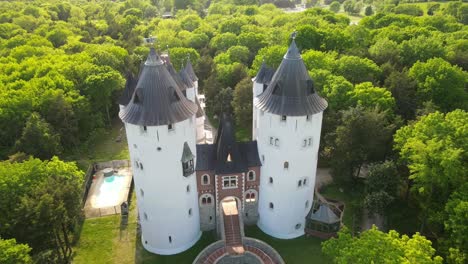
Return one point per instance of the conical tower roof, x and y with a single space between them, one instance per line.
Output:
265 74
189 69
127 93
291 91
176 76
157 99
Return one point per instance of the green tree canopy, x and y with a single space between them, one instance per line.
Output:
374 246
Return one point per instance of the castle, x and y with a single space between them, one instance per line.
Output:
184 188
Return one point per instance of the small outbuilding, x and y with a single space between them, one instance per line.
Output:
324 219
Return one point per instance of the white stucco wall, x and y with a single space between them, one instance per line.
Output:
257 90
165 201
289 200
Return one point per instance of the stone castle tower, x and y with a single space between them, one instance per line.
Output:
287 120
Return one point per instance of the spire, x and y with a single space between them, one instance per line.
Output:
189 69
293 52
153 58
291 90
158 99
265 74
228 155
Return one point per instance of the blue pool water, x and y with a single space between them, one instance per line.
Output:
110 190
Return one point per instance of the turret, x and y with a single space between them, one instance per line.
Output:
289 118
161 137
260 83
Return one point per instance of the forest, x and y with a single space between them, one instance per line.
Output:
396 84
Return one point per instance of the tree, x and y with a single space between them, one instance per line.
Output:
223 41
381 186
408 9
242 104
253 41
41 202
357 70
308 37
440 82
38 138
363 136
374 246
272 55
337 92
456 223
239 54
403 89
221 103
13 253
433 149
421 48
335 6
190 22
385 50
230 74
368 11
368 96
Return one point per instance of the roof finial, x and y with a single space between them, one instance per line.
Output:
150 40
294 34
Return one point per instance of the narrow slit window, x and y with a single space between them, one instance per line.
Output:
188 188
299 183
272 206
286 165
271 180
170 239
277 142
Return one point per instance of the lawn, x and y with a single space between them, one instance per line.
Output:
102 146
302 250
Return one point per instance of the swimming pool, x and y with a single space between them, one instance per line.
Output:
110 191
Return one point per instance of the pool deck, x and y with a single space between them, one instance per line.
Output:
92 208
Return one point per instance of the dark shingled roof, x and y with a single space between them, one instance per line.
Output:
226 155
265 74
129 89
206 158
186 153
189 69
176 76
185 77
157 99
291 90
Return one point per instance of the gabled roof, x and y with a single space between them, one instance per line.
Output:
324 215
157 99
291 91
226 155
189 69
186 153
175 76
265 74
127 93
185 77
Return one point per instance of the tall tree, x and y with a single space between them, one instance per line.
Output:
242 104
374 246
38 138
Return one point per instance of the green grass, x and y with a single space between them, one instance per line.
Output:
302 250
102 147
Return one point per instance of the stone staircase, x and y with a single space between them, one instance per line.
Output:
232 232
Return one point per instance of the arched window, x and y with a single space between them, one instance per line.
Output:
251 176
286 165
304 182
188 188
299 183
272 206
277 142
271 180
247 197
190 212
145 216
203 200
205 179
208 200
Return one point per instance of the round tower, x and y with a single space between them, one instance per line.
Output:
289 120
161 137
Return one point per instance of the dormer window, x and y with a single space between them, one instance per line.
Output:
187 161
283 118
